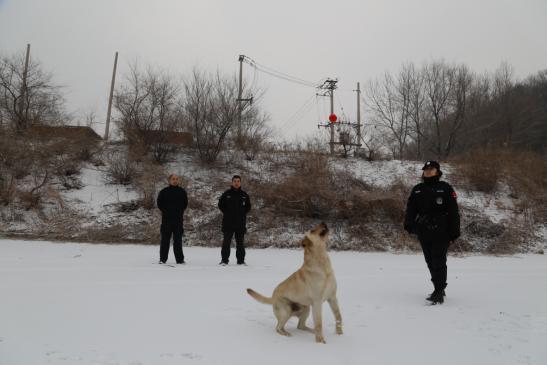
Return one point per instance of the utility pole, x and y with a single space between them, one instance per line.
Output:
22 117
358 114
331 90
240 99
345 140
329 85
109 111
239 96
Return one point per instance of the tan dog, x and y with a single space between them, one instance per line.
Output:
311 285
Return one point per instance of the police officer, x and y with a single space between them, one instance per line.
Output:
432 214
234 205
172 201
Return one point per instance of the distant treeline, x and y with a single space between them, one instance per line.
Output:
441 110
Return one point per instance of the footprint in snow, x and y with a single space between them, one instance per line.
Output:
191 356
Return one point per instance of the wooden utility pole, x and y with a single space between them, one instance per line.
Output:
240 99
109 111
239 96
331 124
358 114
24 87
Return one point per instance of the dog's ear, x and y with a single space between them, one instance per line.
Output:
306 242
324 229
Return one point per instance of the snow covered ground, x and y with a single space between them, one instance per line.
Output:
66 303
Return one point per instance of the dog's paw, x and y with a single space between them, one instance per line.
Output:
339 327
284 333
320 339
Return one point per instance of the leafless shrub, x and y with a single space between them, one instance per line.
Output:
121 168
513 239
526 174
254 133
33 196
148 183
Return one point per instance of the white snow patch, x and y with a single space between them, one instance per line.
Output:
96 193
383 173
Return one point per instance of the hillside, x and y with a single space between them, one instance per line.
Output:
363 201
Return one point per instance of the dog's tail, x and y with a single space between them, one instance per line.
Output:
259 297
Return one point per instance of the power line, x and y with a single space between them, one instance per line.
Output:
304 108
281 75
270 69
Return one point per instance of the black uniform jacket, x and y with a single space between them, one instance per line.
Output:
234 204
432 211
172 201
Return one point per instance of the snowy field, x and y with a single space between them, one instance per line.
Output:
64 303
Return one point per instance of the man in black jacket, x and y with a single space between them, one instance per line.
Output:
172 201
432 213
234 204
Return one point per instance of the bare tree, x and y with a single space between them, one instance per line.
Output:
148 103
439 86
390 103
460 104
417 107
255 131
211 108
34 100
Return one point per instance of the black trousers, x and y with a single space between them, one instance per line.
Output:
240 246
435 256
175 230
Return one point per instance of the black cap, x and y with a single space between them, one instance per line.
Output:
431 164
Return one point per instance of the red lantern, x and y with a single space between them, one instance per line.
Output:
333 118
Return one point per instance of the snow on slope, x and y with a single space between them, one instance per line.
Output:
96 193
65 303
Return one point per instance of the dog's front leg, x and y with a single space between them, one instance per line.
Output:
317 310
333 302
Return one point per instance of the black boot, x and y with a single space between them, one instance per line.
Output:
430 295
437 297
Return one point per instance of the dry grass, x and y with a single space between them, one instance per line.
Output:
481 169
315 190
524 172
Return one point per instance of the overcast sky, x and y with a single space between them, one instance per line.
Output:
351 40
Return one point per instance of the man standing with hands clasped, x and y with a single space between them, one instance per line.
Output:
172 201
234 205
432 213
